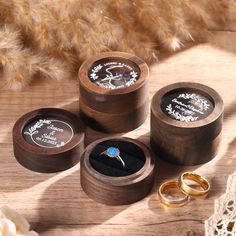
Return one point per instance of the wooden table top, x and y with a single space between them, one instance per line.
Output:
55 203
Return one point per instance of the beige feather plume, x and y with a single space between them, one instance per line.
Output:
53 37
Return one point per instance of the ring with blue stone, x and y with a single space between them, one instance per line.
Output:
113 152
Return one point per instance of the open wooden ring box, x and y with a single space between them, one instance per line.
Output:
186 123
114 92
48 140
107 179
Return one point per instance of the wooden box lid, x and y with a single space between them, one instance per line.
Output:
48 140
105 179
186 123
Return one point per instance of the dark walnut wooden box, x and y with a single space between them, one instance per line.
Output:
114 92
186 123
48 140
107 181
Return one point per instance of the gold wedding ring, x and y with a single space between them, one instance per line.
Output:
178 202
203 183
185 188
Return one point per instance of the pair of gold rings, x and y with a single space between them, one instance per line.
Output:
186 189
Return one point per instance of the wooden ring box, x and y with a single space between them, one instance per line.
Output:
114 92
48 140
107 181
186 123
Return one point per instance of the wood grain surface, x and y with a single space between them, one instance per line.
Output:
185 143
117 190
55 204
114 110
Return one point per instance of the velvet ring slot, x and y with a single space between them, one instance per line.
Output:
105 179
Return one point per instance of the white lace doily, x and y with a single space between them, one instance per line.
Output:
223 221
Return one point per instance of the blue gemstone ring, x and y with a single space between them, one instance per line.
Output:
113 152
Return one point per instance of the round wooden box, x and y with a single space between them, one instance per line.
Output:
186 123
114 92
105 179
48 140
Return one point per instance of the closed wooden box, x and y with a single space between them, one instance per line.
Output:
106 180
48 140
186 123
114 92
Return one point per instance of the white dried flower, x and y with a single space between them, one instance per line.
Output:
13 224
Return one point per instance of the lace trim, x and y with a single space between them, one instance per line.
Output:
223 221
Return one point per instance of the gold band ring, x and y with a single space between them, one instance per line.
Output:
179 202
203 183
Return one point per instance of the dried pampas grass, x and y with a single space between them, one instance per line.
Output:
20 64
53 37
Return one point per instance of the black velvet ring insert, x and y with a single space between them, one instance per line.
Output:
131 154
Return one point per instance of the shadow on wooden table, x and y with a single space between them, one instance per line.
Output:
230 110
15 177
225 166
217 39
165 170
164 54
224 40
64 204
